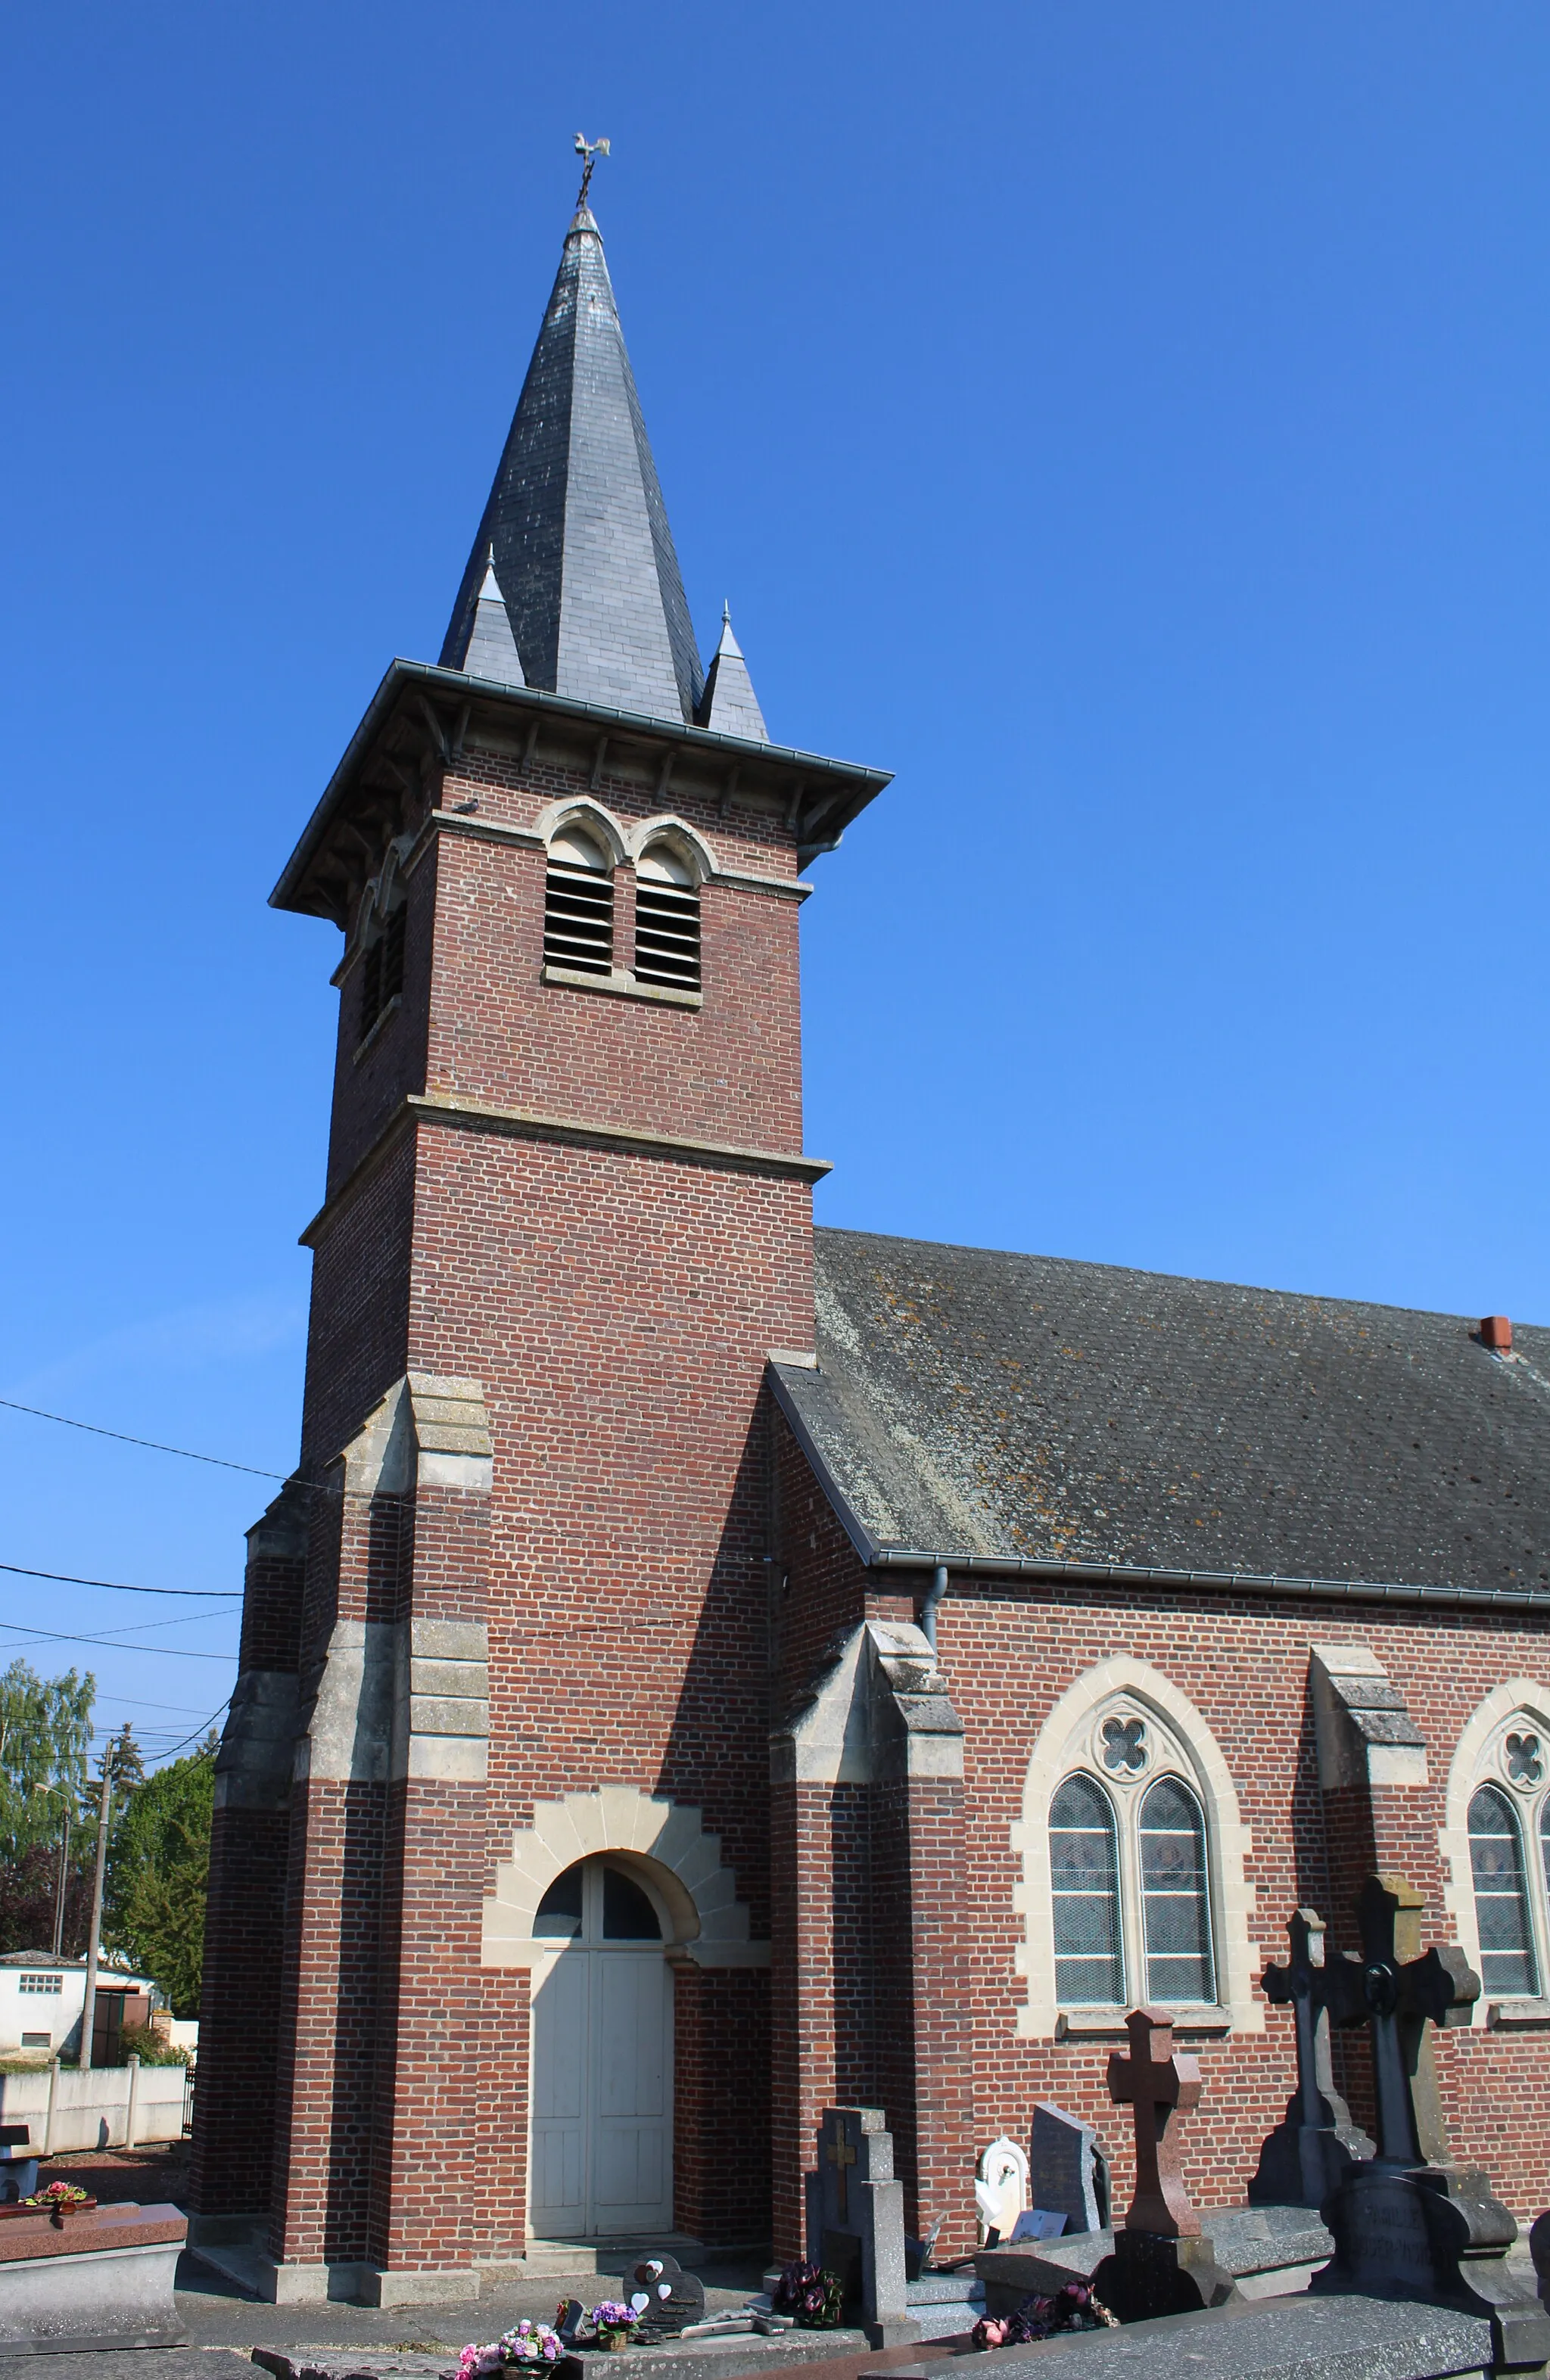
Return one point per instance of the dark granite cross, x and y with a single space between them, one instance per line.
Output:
1308 1985
840 2154
1397 1994
1158 2085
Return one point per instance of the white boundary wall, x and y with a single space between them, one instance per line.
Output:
106 2107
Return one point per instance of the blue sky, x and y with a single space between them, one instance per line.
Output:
1124 422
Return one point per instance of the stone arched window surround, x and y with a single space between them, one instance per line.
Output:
662 1842
690 846
1062 1746
385 892
578 809
1526 1699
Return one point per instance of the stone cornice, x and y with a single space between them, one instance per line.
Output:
464 1114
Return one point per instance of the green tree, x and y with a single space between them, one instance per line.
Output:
153 1904
45 1740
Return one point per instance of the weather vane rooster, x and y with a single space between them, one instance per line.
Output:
591 151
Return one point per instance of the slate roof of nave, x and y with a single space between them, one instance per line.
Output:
973 1403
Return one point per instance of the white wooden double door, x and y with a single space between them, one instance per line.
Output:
603 2096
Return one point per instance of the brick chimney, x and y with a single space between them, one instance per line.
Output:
1496 1332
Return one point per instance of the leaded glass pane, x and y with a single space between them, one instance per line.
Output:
1176 1910
1084 1875
1501 1905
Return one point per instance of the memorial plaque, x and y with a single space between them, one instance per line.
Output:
666 2298
1068 2171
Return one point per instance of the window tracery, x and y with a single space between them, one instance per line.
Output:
1132 1849
1499 1837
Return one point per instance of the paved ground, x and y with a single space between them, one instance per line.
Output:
224 2326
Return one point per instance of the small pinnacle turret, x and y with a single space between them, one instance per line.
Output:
492 648
729 703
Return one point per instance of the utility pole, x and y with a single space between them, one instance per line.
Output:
88 2006
59 1895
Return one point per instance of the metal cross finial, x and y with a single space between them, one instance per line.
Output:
591 151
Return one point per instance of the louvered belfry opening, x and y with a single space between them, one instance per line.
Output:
667 921
579 905
382 970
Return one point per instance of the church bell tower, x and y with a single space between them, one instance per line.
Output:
489 1933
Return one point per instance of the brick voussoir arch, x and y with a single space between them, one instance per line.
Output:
667 1843
1055 1753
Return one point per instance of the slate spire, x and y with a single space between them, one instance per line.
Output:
729 702
575 528
492 648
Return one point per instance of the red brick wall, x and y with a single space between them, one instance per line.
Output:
616 1308
1008 1656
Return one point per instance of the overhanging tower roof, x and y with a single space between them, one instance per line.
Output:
576 524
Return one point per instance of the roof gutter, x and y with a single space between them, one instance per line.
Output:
1041 1569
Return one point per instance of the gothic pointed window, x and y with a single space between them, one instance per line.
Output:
1144 1898
1176 1905
667 921
1084 1880
1506 1958
579 904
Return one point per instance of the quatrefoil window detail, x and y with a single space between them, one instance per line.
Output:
1124 1746
1524 1759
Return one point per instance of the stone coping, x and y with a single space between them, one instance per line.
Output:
126 2224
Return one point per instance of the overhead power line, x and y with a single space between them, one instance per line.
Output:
116 1586
113 1643
156 1445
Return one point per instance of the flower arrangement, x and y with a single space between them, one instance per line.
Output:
614 2323
61 2198
1072 2308
814 2297
530 2342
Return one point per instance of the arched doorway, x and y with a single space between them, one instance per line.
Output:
602 2059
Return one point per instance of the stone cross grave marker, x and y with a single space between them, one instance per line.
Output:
1068 2172
855 2220
1304 2156
1156 2083
1401 2221
1397 1994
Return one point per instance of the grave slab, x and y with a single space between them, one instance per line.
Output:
102 2278
1285 2339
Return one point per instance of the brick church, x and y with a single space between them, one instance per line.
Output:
705 1667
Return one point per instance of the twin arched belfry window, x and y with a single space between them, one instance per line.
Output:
1130 1876
579 912
1509 1862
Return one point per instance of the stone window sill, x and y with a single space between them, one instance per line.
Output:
1108 2024
622 984
1508 2014
391 1010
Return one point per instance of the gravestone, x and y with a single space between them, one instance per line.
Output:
1403 2226
1068 2172
1000 2190
1305 2156
1162 2264
855 2221
662 2295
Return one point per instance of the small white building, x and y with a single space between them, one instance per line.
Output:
41 2000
